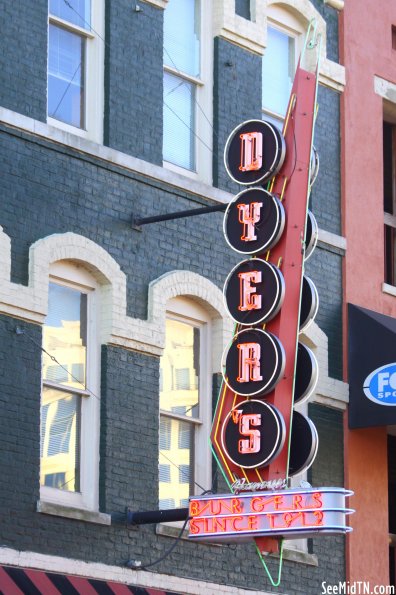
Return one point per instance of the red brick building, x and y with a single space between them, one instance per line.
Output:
368 118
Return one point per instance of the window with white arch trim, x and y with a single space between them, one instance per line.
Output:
284 43
70 402
185 404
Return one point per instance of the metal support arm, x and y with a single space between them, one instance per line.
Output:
156 516
138 222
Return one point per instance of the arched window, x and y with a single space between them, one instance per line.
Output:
185 404
70 389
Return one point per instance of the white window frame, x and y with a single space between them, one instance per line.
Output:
186 310
390 221
93 76
203 108
281 19
76 277
389 117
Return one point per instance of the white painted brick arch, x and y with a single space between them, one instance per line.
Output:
30 303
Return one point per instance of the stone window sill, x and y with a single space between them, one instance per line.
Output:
390 289
89 516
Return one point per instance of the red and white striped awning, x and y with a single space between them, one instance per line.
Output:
25 581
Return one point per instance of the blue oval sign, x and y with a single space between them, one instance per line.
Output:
380 385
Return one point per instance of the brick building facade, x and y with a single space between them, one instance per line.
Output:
69 194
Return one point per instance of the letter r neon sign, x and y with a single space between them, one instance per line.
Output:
249 362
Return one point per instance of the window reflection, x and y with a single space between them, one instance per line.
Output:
65 340
65 336
66 68
182 56
179 121
74 11
60 440
181 44
278 68
179 397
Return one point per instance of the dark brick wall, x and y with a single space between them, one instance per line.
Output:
20 389
50 189
242 8
23 59
129 430
325 269
328 470
133 71
331 17
236 97
133 79
46 189
325 198
129 421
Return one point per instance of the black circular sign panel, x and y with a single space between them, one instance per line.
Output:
253 434
303 444
311 235
254 292
253 363
254 152
306 374
254 221
309 303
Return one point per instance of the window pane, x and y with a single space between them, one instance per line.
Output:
164 473
77 12
278 71
165 434
60 440
167 503
66 76
179 121
180 369
181 43
184 474
182 379
176 483
65 337
185 435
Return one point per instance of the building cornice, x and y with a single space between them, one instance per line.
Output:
113 156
